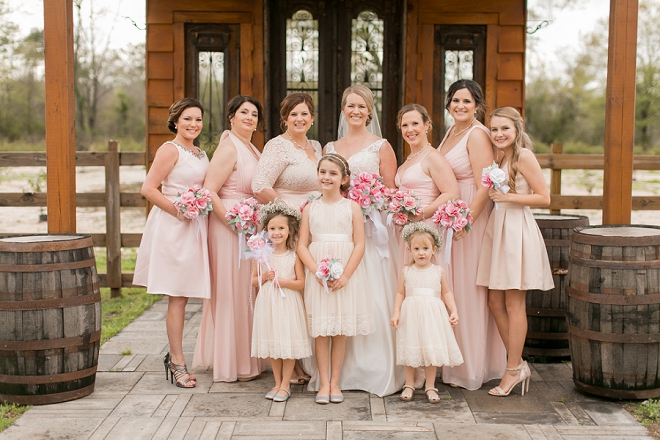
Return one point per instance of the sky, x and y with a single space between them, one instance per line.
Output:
551 42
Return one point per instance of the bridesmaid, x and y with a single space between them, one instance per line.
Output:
173 256
425 173
225 332
369 362
468 149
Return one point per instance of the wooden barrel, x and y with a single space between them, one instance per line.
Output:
50 318
613 310
546 310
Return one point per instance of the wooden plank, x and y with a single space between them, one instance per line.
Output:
409 77
620 111
160 93
509 93
258 54
128 240
511 66
514 14
512 39
157 120
126 280
60 116
113 219
246 70
459 18
159 38
426 98
555 176
158 12
490 89
212 17
179 61
84 200
160 65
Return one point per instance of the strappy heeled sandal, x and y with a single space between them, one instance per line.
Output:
176 373
523 378
430 397
166 359
407 397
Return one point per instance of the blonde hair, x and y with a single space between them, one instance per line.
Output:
365 93
522 140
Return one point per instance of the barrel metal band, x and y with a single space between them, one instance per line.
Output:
84 241
43 399
51 303
616 338
47 378
617 394
48 344
616 264
613 300
47 267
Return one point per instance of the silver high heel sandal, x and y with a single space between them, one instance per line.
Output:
524 377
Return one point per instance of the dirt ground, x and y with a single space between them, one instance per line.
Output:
92 220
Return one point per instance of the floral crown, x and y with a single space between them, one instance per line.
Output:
411 228
341 159
279 207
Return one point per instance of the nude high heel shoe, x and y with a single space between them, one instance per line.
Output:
523 378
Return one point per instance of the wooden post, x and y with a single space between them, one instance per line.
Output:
620 112
555 175
60 116
113 219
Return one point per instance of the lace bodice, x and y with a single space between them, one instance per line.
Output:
334 218
284 166
366 160
428 278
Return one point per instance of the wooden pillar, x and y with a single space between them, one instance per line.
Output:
60 109
620 112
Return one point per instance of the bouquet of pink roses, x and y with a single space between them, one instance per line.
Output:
368 191
194 202
493 177
329 269
244 216
401 204
454 215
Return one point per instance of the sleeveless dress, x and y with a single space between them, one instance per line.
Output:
414 179
476 334
225 333
369 362
348 310
280 325
425 336
173 258
513 254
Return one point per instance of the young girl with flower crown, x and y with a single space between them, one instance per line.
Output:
337 304
279 328
513 256
424 327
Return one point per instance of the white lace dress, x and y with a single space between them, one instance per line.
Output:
425 336
280 327
369 363
346 311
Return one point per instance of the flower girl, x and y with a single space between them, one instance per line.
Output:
513 256
279 330
336 296
425 337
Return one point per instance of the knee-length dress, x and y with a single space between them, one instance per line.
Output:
369 361
513 254
173 257
347 311
225 333
477 335
425 336
280 324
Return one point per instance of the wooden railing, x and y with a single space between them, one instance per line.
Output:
113 200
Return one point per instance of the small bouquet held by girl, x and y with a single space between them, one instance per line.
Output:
194 202
403 203
453 216
329 269
369 191
243 217
493 177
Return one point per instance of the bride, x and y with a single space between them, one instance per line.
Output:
370 361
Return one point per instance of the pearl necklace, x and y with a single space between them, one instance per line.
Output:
415 154
296 143
462 131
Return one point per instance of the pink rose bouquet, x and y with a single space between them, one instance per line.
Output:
368 191
454 214
194 202
403 203
493 177
244 216
329 269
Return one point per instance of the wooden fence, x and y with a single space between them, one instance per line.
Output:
113 240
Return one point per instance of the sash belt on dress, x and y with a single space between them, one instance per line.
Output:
423 291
